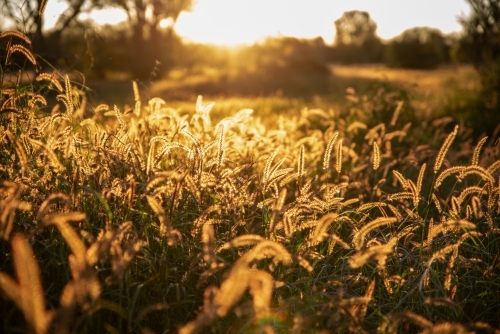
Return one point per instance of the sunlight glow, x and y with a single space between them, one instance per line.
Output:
55 8
107 16
244 21
227 22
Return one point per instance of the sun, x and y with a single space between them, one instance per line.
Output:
229 22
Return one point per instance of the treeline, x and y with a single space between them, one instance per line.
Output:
356 42
108 51
286 64
111 50
145 51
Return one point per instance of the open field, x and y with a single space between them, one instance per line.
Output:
429 90
423 81
350 212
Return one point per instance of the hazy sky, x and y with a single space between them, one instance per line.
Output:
245 21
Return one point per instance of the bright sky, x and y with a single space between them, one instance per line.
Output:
246 21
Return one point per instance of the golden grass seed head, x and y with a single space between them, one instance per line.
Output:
358 239
401 179
477 170
15 33
261 285
444 149
449 171
379 253
395 115
28 294
477 150
52 79
420 178
328 151
376 156
300 164
21 49
241 241
338 165
493 167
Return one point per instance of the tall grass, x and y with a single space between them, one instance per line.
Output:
146 220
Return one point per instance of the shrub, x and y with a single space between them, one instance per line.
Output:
421 48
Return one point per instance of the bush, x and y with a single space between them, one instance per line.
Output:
356 40
420 48
286 63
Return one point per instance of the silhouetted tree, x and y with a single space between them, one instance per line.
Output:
144 17
354 28
482 28
99 52
356 39
419 47
482 46
25 15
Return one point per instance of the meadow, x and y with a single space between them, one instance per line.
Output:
365 210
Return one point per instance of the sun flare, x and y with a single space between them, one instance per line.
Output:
230 22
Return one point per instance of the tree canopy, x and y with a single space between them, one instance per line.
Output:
354 28
144 17
356 40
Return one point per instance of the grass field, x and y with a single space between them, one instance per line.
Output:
428 89
429 92
351 212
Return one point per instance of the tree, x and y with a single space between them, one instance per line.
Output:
482 28
356 40
144 17
27 16
482 46
354 28
419 47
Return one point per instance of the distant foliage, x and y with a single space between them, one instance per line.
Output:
196 56
420 47
356 40
149 41
481 45
287 65
482 28
279 61
104 52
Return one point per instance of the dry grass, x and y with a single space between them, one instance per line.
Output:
153 220
423 82
428 90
